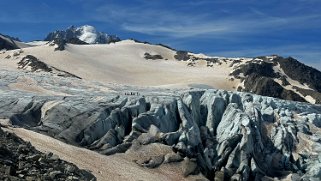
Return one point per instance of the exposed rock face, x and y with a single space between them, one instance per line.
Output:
271 76
218 133
265 86
21 161
10 37
76 41
300 72
6 43
192 59
61 43
148 56
11 43
182 56
33 64
263 69
82 35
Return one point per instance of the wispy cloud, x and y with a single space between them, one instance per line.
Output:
148 19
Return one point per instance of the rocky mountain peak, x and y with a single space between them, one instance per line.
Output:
86 33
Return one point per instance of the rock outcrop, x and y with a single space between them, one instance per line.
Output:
7 44
148 56
272 76
33 64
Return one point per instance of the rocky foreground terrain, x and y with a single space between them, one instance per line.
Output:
19 160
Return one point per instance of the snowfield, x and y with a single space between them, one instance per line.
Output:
124 63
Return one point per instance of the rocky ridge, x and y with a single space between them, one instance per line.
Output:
31 63
11 43
273 76
6 44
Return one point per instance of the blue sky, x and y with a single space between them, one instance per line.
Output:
224 28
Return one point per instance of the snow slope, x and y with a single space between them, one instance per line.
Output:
124 63
129 62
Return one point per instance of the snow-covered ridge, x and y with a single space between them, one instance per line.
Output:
264 75
144 64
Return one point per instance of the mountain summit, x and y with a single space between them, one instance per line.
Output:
86 33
